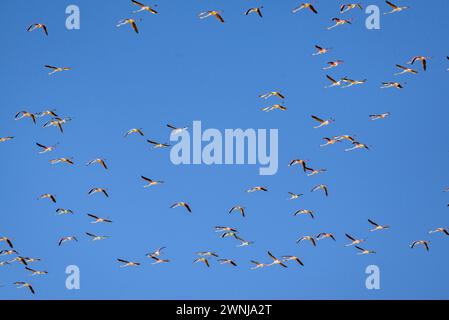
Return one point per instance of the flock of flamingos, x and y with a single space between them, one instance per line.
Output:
10 253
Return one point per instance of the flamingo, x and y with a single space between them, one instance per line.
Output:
36 26
306 5
346 7
144 7
216 14
182 204
239 209
395 8
57 69
130 21
322 122
339 22
257 10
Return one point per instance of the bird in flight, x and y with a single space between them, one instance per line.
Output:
257 10
334 82
126 263
131 131
95 237
391 84
182 204
98 190
320 50
228 234
339 22
344 137
21 260
276 261
306 5
395 8
323 235
307 238
130 21
36 272
239 209
56 122
294 196
36 26
56 69
8 252
158 145
176 130
151 182
422 59
156 253
7 240
6 139
329 141
425 243
274 107
321 187
30 260
322 122
100 161
315 171
227 261
216 14
378 227
352 82
255 189
67 239
354 240
98 219
47 113
346 7
333 64
225 229
304 211
358 145
207 254
144 7
405 70
232 234
62 160
25 114
364 251
375 117
272 94
22 284
48 196
45 149
243 242
302 162
158 260
258 265
292 258
203 260
443 230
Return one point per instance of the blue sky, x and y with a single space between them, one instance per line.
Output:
180 69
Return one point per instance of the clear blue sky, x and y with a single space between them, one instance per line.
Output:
180 69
